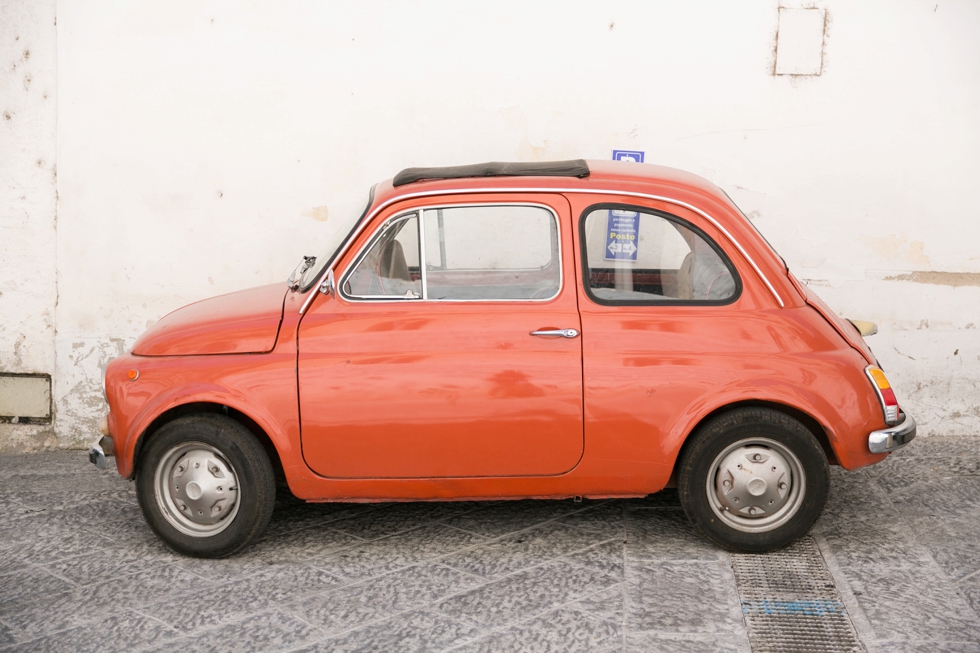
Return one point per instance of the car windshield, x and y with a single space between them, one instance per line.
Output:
337 232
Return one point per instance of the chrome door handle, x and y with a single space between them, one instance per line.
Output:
564 333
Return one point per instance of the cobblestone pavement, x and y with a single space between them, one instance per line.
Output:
80 571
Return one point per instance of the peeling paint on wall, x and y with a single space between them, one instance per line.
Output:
78 394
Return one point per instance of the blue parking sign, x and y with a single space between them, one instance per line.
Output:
622 235
633 156
623 227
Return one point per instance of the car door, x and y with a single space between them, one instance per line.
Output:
667 322
450 348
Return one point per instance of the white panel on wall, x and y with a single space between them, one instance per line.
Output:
799 44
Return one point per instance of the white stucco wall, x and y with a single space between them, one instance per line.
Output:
201 147
28 196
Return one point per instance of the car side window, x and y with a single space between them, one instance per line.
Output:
390 268
637 256
501 252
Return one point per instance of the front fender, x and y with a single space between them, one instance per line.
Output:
262 387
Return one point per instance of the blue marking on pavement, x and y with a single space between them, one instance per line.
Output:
815 607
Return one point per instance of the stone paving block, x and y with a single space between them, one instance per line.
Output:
61 497
418 630
969 588
123 632
683 597
303 545
53 611
937 497
927 647
608 557
133 530
400 517
96 512
94 569
263 633
953 542
663 643
293 515
853 498
39 543
666 535
608 604
207 603
526 593
368 559
244 565
524 549
28 582
607 519
377 599
7 636
498 518
12 508
558 631
912 604
885 544
911 465
934 446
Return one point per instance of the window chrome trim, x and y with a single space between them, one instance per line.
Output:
552 191
425 286
362 254
420 211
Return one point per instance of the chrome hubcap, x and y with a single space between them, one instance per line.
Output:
197 489
756 485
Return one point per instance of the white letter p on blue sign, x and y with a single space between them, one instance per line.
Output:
633 156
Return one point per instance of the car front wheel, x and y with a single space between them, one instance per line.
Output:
753 479
205 485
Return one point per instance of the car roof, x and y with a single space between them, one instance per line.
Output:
592 174
604 177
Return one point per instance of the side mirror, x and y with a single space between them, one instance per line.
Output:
327 287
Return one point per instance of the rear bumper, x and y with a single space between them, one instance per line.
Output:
893 437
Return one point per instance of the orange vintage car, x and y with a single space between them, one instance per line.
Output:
504 331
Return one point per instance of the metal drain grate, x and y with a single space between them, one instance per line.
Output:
791 604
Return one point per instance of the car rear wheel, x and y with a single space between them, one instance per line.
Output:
753 479
205 486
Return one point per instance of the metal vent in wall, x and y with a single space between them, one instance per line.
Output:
790 602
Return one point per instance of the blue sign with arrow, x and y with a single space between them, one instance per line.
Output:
623 227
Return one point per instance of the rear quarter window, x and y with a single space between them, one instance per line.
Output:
637 256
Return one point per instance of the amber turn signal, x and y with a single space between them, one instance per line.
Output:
132 375
889 404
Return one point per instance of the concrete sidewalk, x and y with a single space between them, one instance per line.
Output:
81 571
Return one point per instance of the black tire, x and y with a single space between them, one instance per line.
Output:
717 449
229 452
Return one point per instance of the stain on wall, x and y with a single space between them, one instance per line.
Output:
936 278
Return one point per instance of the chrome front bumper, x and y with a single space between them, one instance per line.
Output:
100 451
893 437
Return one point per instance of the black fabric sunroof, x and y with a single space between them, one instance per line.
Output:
574 168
